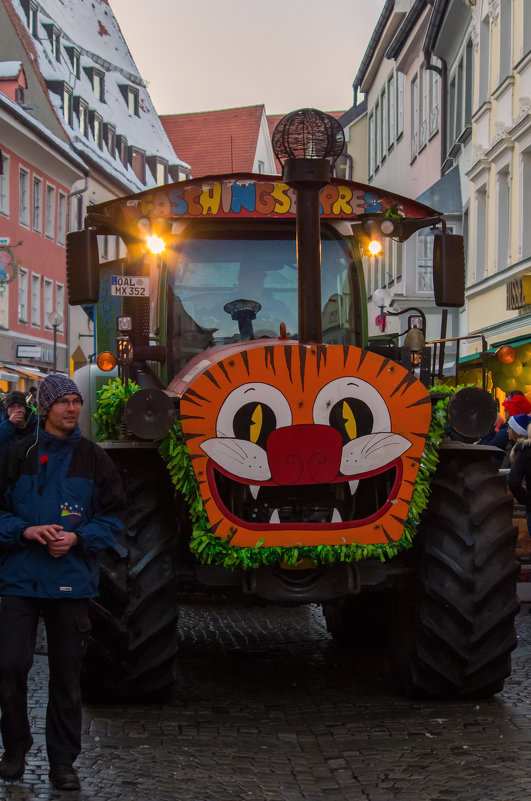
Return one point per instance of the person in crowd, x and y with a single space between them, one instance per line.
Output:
520 470
516 403
17 419
61 502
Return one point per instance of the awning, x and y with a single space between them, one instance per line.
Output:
23 370
514 343
10 377
444 194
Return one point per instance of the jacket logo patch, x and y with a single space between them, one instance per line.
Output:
67 510
65 589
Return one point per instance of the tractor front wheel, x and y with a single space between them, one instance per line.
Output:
133 644
453 635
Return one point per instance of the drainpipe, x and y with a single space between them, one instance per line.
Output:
442 72
79 226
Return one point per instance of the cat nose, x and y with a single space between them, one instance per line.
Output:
304 454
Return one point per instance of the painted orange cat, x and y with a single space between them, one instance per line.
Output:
305 444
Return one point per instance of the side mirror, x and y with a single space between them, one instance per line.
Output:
82 267
449 270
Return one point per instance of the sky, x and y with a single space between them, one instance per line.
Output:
200 55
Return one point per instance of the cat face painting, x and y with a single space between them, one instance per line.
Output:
296 445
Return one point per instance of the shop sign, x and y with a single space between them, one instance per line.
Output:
29 352
519 292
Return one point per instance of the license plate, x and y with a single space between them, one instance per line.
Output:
130 285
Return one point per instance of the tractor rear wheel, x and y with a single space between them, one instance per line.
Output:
452 638
133 644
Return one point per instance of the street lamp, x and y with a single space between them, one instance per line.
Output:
307 142
55 319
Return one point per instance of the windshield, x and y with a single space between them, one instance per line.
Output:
212 266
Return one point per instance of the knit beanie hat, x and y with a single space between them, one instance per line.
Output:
15 396
516 405
520 424
53 387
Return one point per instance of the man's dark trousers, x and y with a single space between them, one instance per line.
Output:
67 627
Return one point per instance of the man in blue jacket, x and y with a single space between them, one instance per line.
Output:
62 502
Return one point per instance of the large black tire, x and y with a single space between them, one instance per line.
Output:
132 648
452 638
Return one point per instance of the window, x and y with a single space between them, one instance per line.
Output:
383 124
123 149
109 137
415 116
130 95
481 233
484 60
49 225
37 204
162 172
377 152
4 310
433 103
525 211
103 242
461 88
56 45
527 29
61 218
23 197
67 104
19 95
36 300
503 219
98 84
424 104
391 111
60 303
23 296
371 144
32 19
138 163
506 32
96 123
159 169
4 186
75 60
82 115
48 301
425 261
261 166
399 104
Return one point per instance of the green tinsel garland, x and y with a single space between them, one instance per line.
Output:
112 398
210 549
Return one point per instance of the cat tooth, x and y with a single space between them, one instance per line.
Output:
336 517
274 516
254 490
353 485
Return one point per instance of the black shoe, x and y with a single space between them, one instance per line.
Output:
63 777
12 765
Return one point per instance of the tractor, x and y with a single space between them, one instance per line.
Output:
267 446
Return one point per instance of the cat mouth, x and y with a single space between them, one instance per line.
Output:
345 502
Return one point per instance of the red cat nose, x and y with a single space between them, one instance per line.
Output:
305 454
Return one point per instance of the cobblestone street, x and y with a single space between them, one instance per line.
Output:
267 708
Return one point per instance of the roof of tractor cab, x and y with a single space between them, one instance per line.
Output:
248 196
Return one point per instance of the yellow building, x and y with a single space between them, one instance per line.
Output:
499 248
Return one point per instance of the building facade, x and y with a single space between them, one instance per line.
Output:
498 300
82 86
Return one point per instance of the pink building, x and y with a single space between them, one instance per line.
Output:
37 171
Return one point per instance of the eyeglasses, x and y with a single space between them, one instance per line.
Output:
65 402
